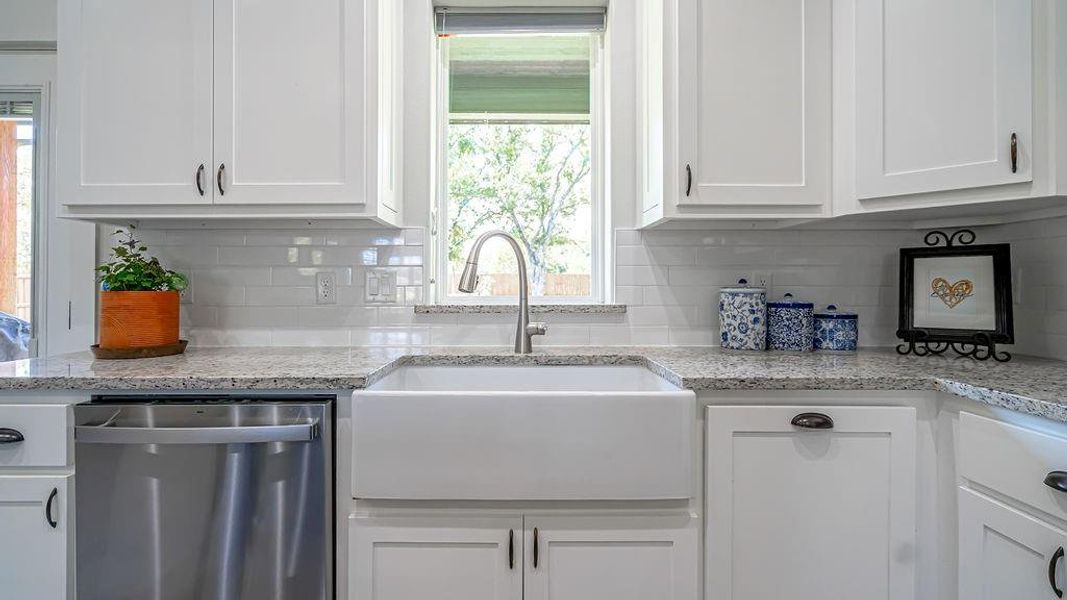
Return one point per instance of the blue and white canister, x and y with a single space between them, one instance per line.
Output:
743 317
790 325
836 330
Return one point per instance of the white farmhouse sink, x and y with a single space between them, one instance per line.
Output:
523 433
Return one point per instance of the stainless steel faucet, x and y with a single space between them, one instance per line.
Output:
525 330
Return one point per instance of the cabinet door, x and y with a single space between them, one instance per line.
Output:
809 514
941 87
134 117
1005 554
755 103
34 554
445 558
622 558
289 102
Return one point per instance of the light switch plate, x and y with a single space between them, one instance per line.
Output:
380 286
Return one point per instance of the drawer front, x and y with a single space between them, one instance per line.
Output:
45 429
1013 461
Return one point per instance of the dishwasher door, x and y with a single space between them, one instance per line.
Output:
220 501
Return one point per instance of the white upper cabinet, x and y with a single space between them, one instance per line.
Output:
134 118
944 95
808 513
229 104
754 116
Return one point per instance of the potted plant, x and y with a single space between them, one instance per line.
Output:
139 300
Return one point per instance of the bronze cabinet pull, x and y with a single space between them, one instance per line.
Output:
1014 153
218 178
1052 572
199 179
511 549
688 180
53 523
813 421
535 549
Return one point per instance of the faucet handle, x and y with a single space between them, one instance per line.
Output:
537 328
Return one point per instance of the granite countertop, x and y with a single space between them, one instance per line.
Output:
1030 385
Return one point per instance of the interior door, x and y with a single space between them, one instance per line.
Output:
134 116
33 524
755 102
942 86
824 509
1005 554
444 558
290 99
622 558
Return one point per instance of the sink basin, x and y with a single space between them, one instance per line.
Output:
523 433
523 379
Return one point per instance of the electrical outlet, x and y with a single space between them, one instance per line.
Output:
762 279
326 287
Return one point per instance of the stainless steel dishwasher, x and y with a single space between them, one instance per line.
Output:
221 498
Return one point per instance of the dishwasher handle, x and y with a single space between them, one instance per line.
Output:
253 434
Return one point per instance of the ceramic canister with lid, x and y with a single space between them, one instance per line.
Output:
836 330
790 324
743 317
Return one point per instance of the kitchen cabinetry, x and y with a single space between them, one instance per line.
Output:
744 90
810 502
944 95
208 108
532 557
35 560
1005 554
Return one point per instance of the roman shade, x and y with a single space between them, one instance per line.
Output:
466 20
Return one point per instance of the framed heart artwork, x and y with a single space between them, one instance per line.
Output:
956 295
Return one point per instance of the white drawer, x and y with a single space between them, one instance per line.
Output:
1013 461
46 432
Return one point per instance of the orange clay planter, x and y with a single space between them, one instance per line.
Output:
138 319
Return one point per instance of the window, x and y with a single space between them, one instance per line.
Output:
18 132
518 151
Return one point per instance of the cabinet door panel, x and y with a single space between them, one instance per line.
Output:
1004 554
810 513
940 88
134 116
289 101
622 558
34 556
755 101
445 558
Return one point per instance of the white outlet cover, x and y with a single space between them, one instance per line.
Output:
326 287
380 286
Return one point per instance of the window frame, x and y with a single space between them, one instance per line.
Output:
440 294
36 96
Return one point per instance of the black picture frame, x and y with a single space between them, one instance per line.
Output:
1004 333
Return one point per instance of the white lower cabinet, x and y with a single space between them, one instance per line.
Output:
34 555
621 558
451 557
1006 554
824 508
445 558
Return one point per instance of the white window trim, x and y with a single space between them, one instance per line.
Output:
597 197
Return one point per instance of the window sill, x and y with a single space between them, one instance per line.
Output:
537 309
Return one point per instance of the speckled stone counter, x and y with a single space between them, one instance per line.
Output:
1029 385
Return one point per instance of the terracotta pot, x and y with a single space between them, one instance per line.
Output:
138 319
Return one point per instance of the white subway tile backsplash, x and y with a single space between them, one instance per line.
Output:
256 287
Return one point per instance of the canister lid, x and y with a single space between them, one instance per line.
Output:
743 288
788 301
832 312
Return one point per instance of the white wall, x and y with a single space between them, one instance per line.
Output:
27 20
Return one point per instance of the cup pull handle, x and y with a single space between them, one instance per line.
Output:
813 421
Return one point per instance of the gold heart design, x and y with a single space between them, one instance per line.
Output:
952 294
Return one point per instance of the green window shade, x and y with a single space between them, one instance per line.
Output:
541 74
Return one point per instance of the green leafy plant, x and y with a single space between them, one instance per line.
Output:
130 270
